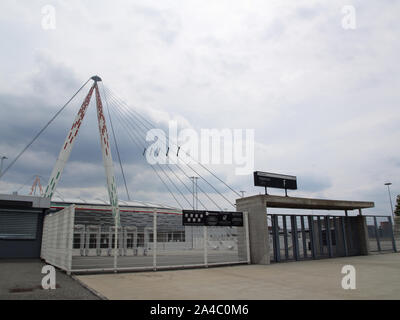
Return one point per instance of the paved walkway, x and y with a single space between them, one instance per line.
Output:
22 278
187 257
377 277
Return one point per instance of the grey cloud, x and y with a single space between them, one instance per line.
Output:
308 12
275 30
165 24
314 93
310 183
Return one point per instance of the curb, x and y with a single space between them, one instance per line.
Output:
99 295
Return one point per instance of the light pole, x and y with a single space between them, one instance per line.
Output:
388 184
1 164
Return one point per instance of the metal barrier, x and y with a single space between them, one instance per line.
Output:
380 234
146 240
57 238
302 237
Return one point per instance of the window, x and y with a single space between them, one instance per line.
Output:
140 240
179 236
118 241
175 236
104 241
77 240
92 241
161 237
129 240
113 241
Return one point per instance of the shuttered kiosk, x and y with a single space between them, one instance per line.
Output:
21 224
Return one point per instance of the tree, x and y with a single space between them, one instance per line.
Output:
397 210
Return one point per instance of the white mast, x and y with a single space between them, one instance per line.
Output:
67 147
108 166
107 158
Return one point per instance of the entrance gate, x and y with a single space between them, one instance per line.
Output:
302 237
83 240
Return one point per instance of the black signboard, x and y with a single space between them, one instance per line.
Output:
237 219
212 218
193 218
220 219
274 180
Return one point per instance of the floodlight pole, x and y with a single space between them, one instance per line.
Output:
388 184
1 165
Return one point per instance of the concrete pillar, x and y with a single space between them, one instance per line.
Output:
242 241
258 228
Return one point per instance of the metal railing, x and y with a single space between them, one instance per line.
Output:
380 234
146 241
302 237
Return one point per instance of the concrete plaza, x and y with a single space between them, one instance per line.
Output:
377 277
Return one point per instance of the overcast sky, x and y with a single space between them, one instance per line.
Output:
323 100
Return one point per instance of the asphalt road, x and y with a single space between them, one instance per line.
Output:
20 279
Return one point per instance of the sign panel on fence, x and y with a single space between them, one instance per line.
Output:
212 218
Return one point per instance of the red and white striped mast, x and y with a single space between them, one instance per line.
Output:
105 148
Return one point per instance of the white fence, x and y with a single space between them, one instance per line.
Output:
78 241
57 238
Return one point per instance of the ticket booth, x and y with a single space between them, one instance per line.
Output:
21 225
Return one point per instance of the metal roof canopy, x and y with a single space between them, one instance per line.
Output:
272 201
81 206
99 202
13 200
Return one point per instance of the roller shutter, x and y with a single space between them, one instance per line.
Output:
18 224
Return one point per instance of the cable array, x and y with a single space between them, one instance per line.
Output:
136 126
176 175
